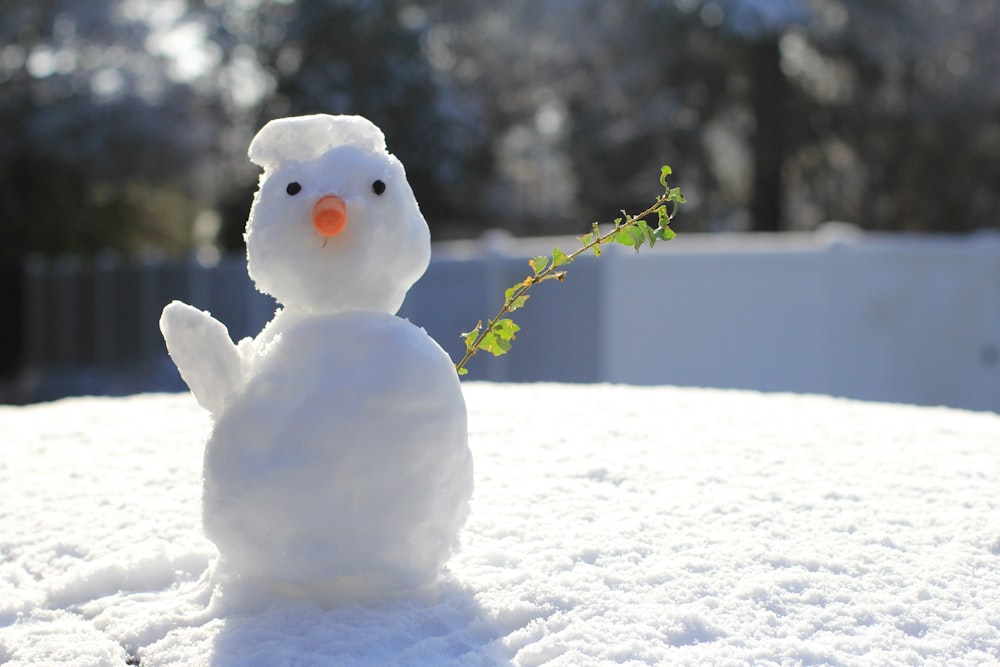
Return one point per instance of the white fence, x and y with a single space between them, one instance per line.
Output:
910 319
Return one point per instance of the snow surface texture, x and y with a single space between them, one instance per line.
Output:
610 525
338 466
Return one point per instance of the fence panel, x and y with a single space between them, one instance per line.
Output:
914 319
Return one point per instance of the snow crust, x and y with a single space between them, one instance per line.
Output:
610 525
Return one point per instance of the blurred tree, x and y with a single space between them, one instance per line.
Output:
371 59
778 114
906 133
858 108
588 98
99 142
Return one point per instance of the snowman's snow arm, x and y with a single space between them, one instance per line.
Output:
204 353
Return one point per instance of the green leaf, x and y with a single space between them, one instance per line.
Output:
559 258
624 238
505 328
665 233
494 345
491 345
587 239
637 235
648 233
497 340
463 371
597 251
538 264
518 302
662 216
470 336
675 195
665 171
631 236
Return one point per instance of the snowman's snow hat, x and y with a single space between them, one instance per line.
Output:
305 138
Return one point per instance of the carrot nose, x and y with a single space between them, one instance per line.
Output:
329 215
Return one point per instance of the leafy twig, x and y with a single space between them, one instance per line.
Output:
631 230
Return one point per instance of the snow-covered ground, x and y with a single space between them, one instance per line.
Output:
610 525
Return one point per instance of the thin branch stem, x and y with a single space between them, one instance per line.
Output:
513 298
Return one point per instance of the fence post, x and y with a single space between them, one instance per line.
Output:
494 249
106 276
148 311
66 320
197 279
35 269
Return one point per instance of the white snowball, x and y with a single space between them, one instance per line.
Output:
342 470
304 138
189 334
385 246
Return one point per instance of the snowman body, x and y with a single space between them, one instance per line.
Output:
338 465
345 488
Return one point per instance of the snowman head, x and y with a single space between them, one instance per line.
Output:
334 224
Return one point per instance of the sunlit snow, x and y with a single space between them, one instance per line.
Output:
610 525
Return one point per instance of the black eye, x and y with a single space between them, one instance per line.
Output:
378 187
293 188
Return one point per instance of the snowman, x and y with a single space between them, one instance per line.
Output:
338 466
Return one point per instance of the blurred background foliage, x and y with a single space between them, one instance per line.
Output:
126 121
